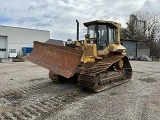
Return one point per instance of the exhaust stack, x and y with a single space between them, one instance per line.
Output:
77 29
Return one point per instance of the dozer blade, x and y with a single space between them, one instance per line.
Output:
58 59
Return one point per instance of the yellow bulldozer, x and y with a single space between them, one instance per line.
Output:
97 63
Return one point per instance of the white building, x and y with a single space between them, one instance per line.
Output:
12 39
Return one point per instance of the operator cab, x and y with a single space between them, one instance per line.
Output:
103 32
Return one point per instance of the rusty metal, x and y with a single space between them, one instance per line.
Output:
102 65
58 59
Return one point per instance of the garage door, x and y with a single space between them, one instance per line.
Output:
131 48
3 47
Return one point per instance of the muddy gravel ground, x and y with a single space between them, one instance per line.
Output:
26 93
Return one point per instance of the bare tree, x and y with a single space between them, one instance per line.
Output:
125 34
136 28
145 25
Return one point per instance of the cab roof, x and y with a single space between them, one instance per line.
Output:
102 22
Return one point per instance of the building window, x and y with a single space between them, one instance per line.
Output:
2 49
12 50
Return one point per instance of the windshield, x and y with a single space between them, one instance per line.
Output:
104 34
107 34
91 31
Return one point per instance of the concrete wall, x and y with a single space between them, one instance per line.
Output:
16 38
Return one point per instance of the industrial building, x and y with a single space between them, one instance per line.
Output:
13 39
135 48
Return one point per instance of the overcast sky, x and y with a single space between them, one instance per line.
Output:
58 16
